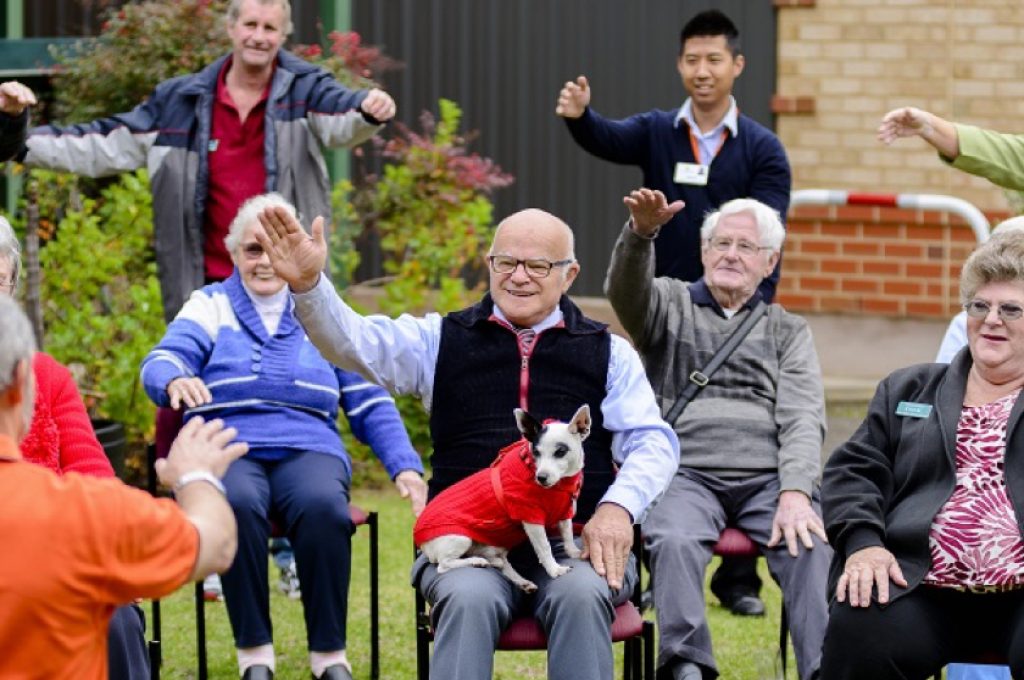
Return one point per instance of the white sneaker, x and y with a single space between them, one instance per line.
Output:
289 582
212 591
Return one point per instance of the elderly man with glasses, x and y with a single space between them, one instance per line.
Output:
525 344
750 438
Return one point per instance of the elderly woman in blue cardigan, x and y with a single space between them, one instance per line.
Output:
235 351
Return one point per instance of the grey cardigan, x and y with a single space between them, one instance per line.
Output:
764 410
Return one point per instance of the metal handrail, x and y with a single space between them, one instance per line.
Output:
951 204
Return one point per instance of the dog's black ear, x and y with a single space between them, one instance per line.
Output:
528 425
580 423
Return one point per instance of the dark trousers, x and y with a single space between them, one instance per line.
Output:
308 494
914 636
127 656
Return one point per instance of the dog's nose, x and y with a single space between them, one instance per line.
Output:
542 479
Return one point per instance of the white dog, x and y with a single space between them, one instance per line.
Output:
531 486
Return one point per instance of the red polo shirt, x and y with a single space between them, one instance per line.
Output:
236 172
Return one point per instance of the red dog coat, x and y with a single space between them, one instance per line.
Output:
491 505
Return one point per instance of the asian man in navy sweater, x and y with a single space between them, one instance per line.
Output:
704 153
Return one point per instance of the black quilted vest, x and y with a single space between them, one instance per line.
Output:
477 385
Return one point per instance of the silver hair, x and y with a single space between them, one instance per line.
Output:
10 248
998 260
235 9
770 232
1009 224
19 342
249 213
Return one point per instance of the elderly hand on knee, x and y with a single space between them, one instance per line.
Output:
865 568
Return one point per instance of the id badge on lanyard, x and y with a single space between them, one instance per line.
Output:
695 174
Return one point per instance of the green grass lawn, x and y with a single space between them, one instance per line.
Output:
746 649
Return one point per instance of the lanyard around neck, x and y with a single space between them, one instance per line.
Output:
696 148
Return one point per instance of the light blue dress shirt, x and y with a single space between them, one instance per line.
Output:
401 355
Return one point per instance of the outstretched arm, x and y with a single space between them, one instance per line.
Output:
911 122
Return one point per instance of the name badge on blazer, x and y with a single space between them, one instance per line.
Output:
912 409
693 174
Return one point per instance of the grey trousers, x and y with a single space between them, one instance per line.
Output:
680 533
470 607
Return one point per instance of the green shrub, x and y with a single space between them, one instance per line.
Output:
101 300
433 213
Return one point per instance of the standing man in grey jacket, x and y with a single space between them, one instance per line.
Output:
252 122
750 441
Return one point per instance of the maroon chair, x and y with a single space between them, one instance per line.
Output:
524 633
732 542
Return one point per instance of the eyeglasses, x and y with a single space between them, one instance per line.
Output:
1007 311
253 251
744 248
537 267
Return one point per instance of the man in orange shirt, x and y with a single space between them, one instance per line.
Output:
85 545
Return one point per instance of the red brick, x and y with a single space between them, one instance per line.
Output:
834 229
959 253
860 286
935 252
822 212
808 245
792 302
840 304
897 215
881 267
802 227
856 213
875 230
963 234
932 217
799 264
880 306
840 266
924 270
902 288
817 283
926 233
930 309
860 248
793 105
904 250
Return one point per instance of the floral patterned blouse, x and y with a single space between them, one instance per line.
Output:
975 539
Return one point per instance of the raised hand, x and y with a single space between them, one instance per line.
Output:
904 122
574 98
15 98
379 105
297 257
649 209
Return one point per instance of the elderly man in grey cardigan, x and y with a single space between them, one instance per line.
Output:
750 440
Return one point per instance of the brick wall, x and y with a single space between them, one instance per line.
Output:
843 63
877 261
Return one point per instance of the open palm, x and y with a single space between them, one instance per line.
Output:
297 257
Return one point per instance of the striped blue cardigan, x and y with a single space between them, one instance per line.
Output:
278 392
